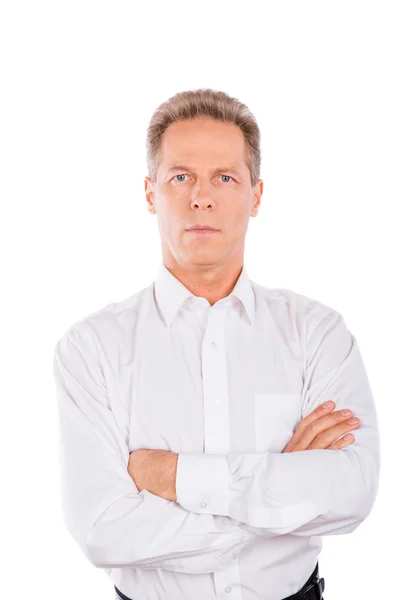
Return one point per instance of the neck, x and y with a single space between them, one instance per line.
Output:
212 283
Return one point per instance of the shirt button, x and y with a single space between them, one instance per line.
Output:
228 589
216 402
203 504
213 344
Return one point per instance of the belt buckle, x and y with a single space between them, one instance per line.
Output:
317 584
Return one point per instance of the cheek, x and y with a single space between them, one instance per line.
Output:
168 218
239 220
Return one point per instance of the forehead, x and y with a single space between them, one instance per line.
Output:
203 139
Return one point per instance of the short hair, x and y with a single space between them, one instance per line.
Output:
205 102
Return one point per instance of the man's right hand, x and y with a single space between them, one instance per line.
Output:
320 429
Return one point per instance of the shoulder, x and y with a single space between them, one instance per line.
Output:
291 304
109 318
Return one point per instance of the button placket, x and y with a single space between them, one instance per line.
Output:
216 401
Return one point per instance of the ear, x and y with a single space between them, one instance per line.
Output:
257 193
150 195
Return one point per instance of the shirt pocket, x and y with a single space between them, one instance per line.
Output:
276 417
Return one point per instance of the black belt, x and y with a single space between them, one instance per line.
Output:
120 594
311 590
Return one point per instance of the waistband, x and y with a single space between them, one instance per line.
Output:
311 590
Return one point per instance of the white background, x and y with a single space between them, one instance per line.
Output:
79 82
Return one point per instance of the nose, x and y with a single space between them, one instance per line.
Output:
202 200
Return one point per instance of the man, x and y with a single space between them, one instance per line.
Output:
198 458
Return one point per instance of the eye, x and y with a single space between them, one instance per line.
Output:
184 175
181 175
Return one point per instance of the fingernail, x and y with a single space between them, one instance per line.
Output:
328 404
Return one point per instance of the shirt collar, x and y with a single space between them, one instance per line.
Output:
170 294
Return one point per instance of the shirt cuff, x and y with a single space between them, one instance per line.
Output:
203 483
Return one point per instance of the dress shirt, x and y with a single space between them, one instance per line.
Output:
225 387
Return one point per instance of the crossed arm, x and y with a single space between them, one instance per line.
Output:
144 509
154 471
307 492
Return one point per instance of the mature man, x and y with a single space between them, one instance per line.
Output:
199 459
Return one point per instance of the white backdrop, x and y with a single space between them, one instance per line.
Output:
80 80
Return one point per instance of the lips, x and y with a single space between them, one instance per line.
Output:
202 228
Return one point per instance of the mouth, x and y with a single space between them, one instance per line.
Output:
201 229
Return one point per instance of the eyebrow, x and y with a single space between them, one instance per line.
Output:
218 170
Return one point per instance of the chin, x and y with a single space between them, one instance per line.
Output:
203 260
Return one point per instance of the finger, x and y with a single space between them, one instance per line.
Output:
316 414
315 434
326 437
342 442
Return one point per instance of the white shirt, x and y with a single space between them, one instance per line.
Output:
225 386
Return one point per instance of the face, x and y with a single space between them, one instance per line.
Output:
203 179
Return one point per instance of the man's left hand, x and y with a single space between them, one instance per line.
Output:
154 471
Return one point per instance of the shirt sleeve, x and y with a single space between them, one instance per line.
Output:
114 524
310 492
